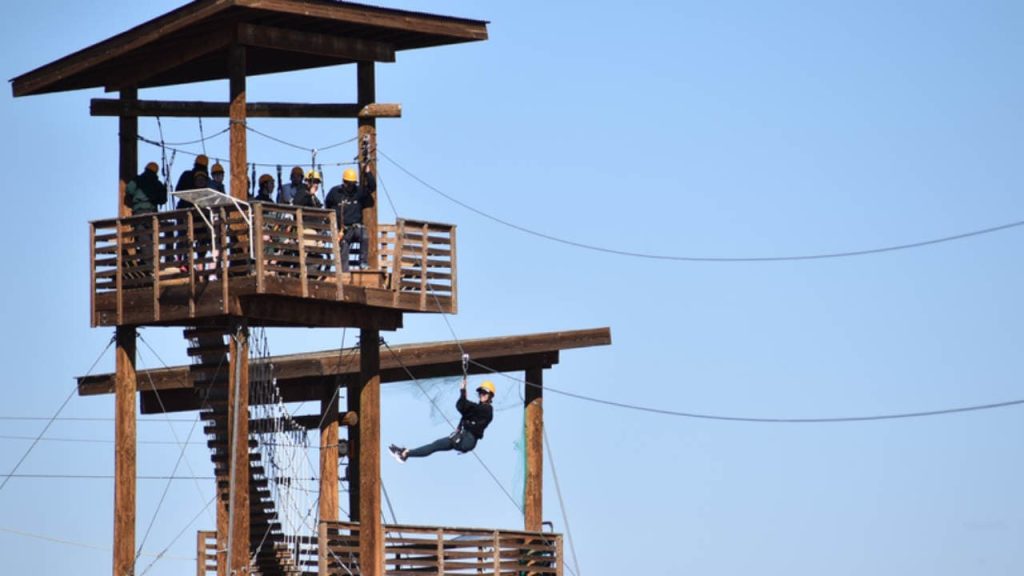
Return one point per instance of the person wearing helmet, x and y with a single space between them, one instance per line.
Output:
217 177
307 195
266 187
288 191
145 192
187 179
348 201
475 418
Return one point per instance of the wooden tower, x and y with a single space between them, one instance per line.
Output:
229 265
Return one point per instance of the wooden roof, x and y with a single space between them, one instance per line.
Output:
190 44
301 377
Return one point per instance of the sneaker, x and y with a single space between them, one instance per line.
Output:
398 452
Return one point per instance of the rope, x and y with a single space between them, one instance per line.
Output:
650 256
80 544
561 501
201 137
49 423
162 553
170 147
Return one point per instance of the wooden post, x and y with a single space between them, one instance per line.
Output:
371 530
238 420
329 454
367 94
236 113
125 389
533 511
223 525
322 550
128 149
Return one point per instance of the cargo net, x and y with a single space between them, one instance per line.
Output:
283 447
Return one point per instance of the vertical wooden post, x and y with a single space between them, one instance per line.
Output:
329 454
223 525
125 387
238 420
367 94
533 511
128 149
236 112
371 530
259 247
322 549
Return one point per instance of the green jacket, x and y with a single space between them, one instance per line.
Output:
145 193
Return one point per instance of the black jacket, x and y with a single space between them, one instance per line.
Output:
348 200
306 199
145 193
475 417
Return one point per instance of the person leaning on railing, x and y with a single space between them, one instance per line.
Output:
266 186
307 195
348 201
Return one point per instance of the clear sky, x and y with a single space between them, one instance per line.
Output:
689 128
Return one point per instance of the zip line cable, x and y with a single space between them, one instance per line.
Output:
561 501
87 419
163 553
49 423
650 256
80 544
697 415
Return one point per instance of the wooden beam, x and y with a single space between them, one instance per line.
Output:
432 359
193 109
175 54
329 454
236 88
459 29
371 528
124 452
128 148
345 48
238 422
533 493
367 93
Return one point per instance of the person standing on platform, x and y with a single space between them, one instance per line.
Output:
217 173
288 192
266 186
348 200
186 181
475 418
307 195
145 193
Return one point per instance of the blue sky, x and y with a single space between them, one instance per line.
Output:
701 129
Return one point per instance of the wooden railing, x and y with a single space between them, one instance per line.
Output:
437 550
206 553
421 258
288 250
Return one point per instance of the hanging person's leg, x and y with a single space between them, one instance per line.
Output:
439 445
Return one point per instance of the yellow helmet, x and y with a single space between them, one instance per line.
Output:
217 169
312 175
349 175
486 386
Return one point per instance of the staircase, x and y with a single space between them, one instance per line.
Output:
210 373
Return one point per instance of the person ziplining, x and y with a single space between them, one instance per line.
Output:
475 418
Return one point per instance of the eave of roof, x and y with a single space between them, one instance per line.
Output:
202 21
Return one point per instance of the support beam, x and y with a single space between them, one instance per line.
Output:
304 42
128 148
192 109
533 501
238 420
329 454
124 453
239 178
371 529
367 93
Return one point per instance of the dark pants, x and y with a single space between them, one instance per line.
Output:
462 441
353 233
